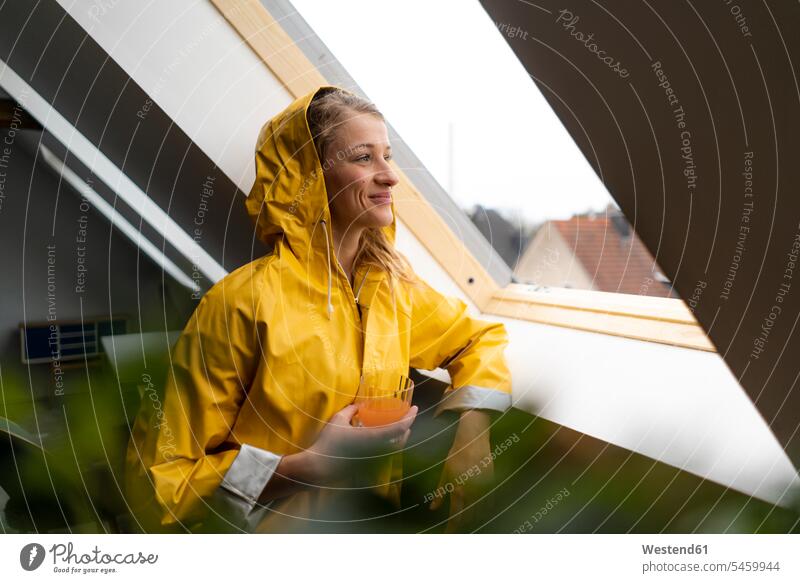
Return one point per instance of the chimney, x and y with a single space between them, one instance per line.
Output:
621 224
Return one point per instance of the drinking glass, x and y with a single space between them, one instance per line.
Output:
382 398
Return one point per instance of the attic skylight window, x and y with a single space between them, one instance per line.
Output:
458 106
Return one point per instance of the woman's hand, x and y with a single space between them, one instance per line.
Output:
340 446
468 472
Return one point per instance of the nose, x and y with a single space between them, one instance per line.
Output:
387 176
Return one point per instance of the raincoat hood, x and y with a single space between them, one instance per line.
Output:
288 199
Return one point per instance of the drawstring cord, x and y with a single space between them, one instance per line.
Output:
330 273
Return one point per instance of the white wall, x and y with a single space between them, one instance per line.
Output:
186 56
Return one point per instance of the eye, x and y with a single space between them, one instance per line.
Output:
388 157
364 158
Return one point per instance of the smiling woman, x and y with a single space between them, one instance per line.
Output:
351 138
258 407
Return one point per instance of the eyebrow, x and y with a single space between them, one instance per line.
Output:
368 145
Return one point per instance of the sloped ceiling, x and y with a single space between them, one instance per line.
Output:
690 114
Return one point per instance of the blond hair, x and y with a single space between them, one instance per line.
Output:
329 108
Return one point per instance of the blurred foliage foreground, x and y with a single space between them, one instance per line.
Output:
61 463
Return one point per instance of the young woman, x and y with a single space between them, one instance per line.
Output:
256 414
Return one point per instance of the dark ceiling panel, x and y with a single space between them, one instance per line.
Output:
54 55
690 114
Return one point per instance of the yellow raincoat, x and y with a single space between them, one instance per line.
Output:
277 347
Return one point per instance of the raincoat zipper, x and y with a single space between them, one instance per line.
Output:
354 302
355 305
353 295
340 270
360 285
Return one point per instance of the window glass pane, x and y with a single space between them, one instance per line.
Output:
464 104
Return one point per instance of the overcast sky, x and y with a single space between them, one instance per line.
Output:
426 69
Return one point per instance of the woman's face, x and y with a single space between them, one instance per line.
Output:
358 177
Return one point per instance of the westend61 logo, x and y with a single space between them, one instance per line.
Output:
65 560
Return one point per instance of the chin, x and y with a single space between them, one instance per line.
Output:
381 217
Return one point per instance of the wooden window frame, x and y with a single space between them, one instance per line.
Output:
662 320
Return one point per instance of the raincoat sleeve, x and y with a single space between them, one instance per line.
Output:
444 335
195 456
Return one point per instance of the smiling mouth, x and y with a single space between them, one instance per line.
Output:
382 198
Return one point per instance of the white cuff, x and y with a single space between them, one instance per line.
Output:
244 481
472 397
